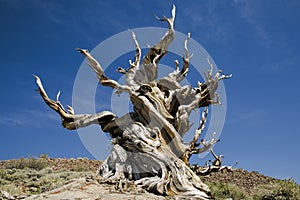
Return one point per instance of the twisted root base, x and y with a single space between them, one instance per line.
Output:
152 166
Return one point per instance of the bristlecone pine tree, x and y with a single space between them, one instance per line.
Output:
147 143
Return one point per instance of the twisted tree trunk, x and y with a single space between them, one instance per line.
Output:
148 146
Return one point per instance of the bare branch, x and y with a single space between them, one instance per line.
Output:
225 76
200 128
210 76
69 120
55 105
206 145
186 61
131 73
215 166
218 159
137 52
121 70
177 75
70 110
177 65
95 65
155 53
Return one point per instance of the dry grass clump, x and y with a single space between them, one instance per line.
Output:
278 190
27 176
275 190
30 181
30 162
227 191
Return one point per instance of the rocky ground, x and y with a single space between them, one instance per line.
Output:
61 178
247 181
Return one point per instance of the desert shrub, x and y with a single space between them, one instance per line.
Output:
11 188
3 173
226 190
278 190
44 156
16 174
33 181
27 176
80 167
32 163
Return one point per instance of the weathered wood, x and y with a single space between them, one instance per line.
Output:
147 143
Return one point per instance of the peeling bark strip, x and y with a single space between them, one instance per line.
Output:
148 146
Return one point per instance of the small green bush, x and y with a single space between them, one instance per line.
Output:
278 190
226 190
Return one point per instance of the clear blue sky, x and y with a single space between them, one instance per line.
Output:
257 41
